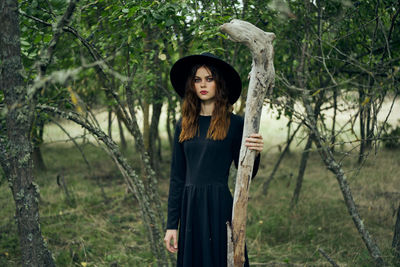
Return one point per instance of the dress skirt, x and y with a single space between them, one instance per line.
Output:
202 234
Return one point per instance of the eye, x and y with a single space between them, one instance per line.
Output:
197 80
210 79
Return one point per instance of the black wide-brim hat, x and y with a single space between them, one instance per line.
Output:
180 72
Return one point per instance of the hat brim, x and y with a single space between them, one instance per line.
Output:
180 71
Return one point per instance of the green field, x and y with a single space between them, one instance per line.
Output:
96 230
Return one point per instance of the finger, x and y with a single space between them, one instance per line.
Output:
254 144
258 140
167 241
175 242
255 147
168 245
257 135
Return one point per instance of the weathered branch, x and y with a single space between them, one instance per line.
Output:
132 180
334 264
46 55
262 78
331 163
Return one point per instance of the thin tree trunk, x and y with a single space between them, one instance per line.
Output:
16 158
333 133
305 155
168 124
153 135
155 121
362 124
278 162
262 77
109 122
121 135
396 238
146 125
302 169
37 136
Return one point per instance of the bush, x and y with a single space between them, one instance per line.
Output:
391 137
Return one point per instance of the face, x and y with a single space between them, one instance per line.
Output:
204 84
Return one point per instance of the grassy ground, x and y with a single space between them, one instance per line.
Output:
93 230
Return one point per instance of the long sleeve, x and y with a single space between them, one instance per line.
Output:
177 180
237 141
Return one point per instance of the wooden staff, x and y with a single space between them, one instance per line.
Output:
262 79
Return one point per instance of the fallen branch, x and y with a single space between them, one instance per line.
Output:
328 258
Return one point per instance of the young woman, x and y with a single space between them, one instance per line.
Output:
207 140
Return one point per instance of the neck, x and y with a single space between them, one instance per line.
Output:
207 108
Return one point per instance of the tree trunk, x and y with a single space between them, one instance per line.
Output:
333 133
262 77
155 120
16 158
396 238
302 169
361 96
146 125
278 162
121 135
38 161
109 120
305 155
168 124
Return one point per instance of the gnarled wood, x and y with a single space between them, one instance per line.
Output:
262 78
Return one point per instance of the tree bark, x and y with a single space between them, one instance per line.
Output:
109 120
121 135
362 124
396 238
16 157
333 129
37 142
262 77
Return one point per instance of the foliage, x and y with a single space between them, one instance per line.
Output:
391 137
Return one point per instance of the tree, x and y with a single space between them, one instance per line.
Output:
16 147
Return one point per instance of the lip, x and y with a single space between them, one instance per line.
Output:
203 92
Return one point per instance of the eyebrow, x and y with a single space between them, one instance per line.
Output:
208 76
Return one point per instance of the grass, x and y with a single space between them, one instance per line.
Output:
95 232
92 230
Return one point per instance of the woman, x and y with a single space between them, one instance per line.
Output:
207 140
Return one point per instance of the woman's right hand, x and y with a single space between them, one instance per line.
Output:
171 234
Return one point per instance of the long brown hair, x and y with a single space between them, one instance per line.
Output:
220 119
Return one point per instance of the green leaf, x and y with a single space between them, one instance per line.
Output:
47 38
25 43
37 39
169 22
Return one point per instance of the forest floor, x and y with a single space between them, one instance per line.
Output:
92 229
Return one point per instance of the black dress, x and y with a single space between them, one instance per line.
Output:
199 198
